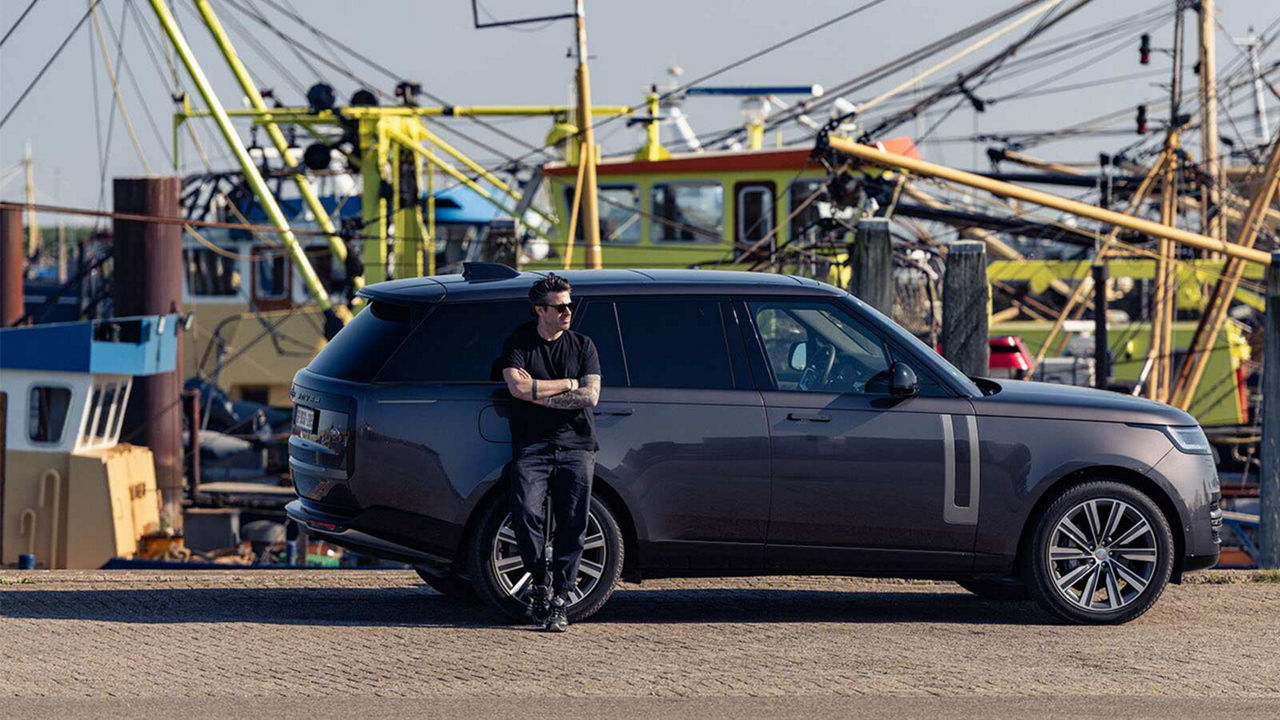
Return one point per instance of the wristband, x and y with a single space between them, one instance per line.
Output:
535 388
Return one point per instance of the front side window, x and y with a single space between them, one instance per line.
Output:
619 207
675 344
457 343
47 413
819 347
687 211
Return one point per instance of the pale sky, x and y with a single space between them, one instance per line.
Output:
631 43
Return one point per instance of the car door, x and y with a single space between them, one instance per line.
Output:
685 441
862 481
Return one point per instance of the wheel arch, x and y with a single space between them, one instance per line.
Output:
1127 476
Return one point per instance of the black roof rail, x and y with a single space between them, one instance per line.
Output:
481 271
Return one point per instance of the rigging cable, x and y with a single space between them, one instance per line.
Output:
61 46
17 22
133 79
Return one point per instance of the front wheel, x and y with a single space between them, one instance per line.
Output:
1102 553
502 581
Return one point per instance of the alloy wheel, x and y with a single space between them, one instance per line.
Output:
514 579
1102 554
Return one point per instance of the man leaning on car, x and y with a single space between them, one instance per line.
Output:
554 375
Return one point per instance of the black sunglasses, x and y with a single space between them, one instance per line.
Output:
562 307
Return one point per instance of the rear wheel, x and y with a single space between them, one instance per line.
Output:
1102 553
502 581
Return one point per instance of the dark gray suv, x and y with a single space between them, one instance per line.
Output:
749 424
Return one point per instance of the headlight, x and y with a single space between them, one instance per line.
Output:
1188 438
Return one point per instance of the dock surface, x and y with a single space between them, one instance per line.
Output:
317 643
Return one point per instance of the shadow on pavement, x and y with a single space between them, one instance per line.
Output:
419 607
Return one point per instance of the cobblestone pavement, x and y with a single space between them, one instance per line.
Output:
276 635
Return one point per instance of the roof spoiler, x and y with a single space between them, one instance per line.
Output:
481 271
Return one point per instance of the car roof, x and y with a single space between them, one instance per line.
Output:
586 283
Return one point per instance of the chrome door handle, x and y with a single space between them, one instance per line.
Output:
811 417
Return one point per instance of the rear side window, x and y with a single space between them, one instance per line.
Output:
457 343
364 344
599 323
675 344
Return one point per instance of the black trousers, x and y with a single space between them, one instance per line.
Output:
568 472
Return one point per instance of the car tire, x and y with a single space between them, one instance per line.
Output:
450 586
997 589
1078 547
494 587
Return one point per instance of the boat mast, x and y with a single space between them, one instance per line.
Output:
335 316
587 150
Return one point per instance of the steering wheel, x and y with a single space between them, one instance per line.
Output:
817 372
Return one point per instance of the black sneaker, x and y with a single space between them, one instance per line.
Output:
539 602
558 619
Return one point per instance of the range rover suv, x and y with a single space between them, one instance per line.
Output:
749 424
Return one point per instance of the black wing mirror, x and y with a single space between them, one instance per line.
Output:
904 382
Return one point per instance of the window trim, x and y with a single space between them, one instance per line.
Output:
653 216
71 396
769 189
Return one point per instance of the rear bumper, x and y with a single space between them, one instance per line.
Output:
348 531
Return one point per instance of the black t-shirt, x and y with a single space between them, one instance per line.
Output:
572 355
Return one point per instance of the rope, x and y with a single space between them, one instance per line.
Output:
115 87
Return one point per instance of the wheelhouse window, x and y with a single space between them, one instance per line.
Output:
755 213
104 415
47 413
271 275
619 213
804 224
687 212
210 274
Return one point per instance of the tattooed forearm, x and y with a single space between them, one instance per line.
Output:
587 395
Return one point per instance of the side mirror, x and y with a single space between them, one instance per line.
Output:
904 382
799 356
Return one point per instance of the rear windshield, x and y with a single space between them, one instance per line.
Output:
363 346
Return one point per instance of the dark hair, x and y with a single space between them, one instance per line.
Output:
552 283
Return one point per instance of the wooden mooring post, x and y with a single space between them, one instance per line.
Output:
1101 346
148 281
12 258
965 300
1269 479
871 264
